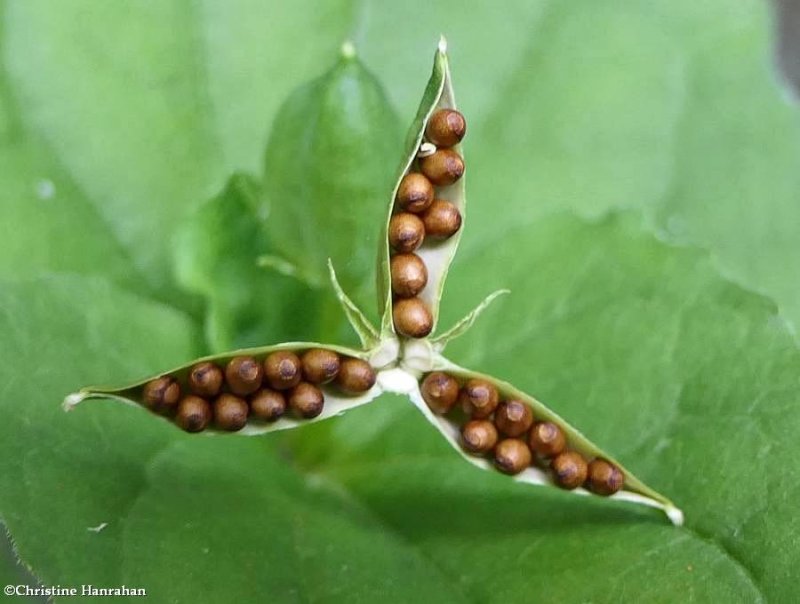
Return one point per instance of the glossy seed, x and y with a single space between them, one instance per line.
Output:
547 439
512 456
243 375
194 413
409 275
161 394
440 391
282 370
605 478
442 219
513 418
268 405
205 379
230 412
446 128
355 376
406 232
320 366
306 400
412 318
442 168
569 469
479 436
479 398
415 193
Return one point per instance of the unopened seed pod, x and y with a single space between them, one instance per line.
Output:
605 478
442 168
268 405
306 400
409 275
415 193
569 469
205 379
512 456
442 219
161 394
479 398
412 318
194 413
446 128
355 376
282 370
406 232
243 375
440 391
479 436
513 418
547 439
230 412
320 366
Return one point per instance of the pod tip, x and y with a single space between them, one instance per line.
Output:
348 50
675 515
73 399
442 44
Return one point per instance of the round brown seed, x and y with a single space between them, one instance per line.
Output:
479 436
547 439
409 275
243 375
283 370
442 219
415 193
306 400
230 412
205 379
479 398
513 418
605 478
406 232
440 391
268 405
161 394
412 318
194 413
442 168
512 456
320 366
569 469
446 128
355 376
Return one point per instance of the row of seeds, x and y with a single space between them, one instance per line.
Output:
249 388
420 217
506 431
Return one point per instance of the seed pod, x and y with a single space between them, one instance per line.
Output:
283 370
446 128
479 398
512 456
320 366
569 469
409 275
268 405
415 193
194 413
442 219
355 376
412 318
161 394
243 375
605 478
547 439
230 412
440 391
479 436
406 232
306 400
442 168
513 418
205 379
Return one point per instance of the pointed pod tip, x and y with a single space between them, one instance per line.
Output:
442 44
73 399
675 515
348 50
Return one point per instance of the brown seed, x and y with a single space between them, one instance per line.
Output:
442 219
547 439
230 412
194 413
243 375
205 379
446 128
412 318
569 469
355 376
409 275
442 168
605 478
440 391
320 366
306 400
479 398
415 193
479 436
406 232
283 370
513 418
161 394
512 456
268 405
